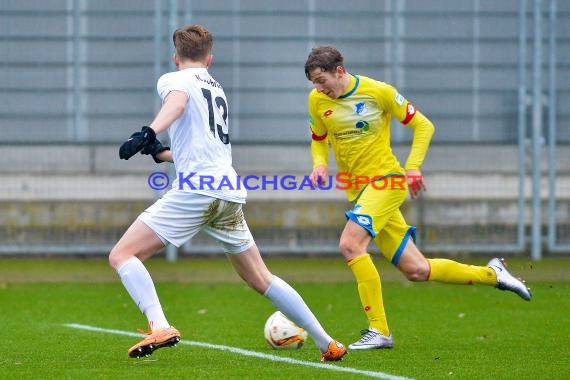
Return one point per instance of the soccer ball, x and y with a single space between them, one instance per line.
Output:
283 334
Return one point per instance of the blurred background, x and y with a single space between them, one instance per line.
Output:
77 77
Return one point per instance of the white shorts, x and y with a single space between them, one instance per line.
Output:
179 215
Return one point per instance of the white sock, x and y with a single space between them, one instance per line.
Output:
138 283
290 303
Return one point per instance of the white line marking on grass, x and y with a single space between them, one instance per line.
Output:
255 354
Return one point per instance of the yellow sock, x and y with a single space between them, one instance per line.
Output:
370 291
452 272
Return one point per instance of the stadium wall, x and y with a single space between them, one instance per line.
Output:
78 76
82 196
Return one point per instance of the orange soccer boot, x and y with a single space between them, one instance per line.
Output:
166 337
335 352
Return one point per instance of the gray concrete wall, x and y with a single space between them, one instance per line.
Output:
455 60
63 194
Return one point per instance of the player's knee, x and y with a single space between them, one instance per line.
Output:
414 276
348 249
113 263
115 258
259 282
258 285
417 272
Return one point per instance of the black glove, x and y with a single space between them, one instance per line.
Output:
153 149
136 142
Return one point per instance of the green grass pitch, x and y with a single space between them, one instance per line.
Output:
440 331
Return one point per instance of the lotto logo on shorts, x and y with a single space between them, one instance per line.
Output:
363 220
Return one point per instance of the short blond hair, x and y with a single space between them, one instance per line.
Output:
193 42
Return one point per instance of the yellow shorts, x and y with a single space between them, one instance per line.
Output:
378 212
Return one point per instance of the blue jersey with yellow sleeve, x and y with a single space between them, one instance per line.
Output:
357 127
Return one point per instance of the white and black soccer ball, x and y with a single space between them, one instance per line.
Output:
283 334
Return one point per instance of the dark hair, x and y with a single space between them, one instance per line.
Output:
193 42
326 57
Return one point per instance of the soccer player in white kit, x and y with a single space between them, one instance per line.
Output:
195 113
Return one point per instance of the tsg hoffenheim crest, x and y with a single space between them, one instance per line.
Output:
360 108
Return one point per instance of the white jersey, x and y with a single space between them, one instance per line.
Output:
200 144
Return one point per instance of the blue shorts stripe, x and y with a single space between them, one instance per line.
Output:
411 232
354 217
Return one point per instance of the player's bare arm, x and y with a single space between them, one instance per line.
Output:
145 141
172 108
165 156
